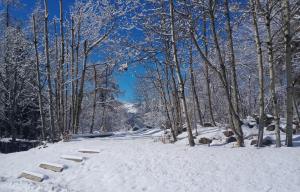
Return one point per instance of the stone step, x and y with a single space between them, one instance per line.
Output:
88 151
72 158
52 166
33 176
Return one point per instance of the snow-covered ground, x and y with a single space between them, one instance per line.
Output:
134 162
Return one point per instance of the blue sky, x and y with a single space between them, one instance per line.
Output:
126 80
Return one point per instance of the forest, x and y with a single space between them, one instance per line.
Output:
203 61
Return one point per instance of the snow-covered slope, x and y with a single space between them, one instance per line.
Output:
135 163
130 107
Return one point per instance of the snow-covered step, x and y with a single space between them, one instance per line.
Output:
33 176
72 158
52 166
89 151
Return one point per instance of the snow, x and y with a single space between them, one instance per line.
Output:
130 107
134 162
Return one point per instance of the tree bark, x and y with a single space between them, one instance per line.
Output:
75 112
260 74
272 71
61 69
192 79
208 89
179 76
38 78
289 72
48 68
80 93
72 104
94 100
235 89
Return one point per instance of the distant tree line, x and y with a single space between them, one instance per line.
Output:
54 69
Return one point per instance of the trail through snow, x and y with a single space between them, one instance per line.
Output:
132 163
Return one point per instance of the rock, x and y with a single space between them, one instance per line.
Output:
252 124
267 141
88 151
269 119
256 117
253 142
228 133
52 167
207 124
33 176
135 128
230 139
72 158
271 127
269 116
184 129
204 140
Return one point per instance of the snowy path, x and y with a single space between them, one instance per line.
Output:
139 164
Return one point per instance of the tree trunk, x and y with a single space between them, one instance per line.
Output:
48 68
38 78
75 112
176 103
260 75
207 71
235 90
192 78
289 72
179 76
165 102
272 72
80 93
61 70
72 104
94 101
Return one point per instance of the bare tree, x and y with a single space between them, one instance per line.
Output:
38 77
260 74
94 99
179 75
289 71
48 68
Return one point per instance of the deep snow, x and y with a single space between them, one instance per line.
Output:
134 162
